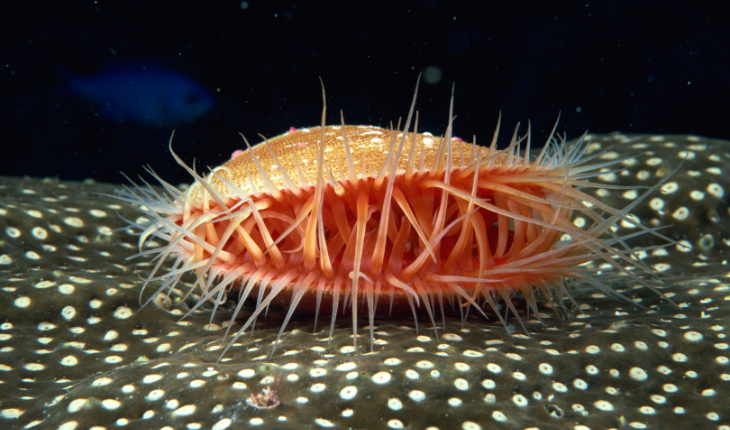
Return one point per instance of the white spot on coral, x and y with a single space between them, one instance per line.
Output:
13 413
417 396
69 360
317 372
381 378
462 367
455 402
149 379
111 404
76 405
349 392
603 405
608 177
97 213
684 246
39 233
688 155
580 384
693 336
317 388
222 424
669 187
638 374
68 313
22 302
681 214
34 367
461 384
630 195
73 221
716 190
654 161
662 267
499 416
519 400
697 195
395 424
545 369
12 232
247 373
669 388
346 367
154 394
395 404
122 312
593 349
424 364
617 347
66 289
559 387
679 357
656 398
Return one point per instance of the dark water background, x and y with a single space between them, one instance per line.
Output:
651 66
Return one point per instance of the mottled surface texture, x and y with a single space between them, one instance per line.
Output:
76 350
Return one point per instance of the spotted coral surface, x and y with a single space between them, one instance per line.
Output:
77 351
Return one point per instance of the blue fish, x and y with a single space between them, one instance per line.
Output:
145 94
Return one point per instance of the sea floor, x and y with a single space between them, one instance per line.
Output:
77 350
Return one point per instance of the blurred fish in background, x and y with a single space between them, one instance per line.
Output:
142 93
